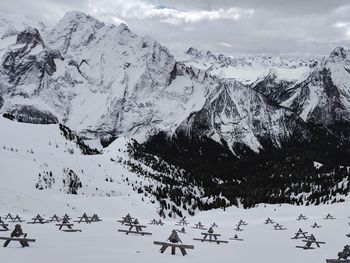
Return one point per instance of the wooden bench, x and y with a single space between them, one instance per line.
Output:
38 220
84 218
300 234
269 221
338 260
242 223
16 219
138 228
238 228
9 216
174 242
310 241
182 222
4 227
235 238
54 218
134 232
199 226
173 246
126 219
210 237
95 218
329 217
301 217
315 225
23 241
68 226
279 227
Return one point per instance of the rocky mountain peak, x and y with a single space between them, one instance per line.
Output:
339 53
30 36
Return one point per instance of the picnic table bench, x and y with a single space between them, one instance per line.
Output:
182 230
315 225
301 217
236 238
9 216
84 218
242 223
17 218
138 229
95 218
279 227
38 220
199 225
155 222
66 217
310 241
210 236
23 241
329 217
16 235
4 226
182 222
300 234
126 219
214 225
54 218
238 228
342 256
69 226
269 221
174 243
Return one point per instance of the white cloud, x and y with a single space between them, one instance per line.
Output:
223 44
140 9
345 27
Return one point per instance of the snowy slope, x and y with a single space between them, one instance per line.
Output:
28 149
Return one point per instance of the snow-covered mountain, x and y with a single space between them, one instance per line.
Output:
105 81
211 130
324 96
248 69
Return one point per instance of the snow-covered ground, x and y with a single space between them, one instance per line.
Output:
27 150
101 242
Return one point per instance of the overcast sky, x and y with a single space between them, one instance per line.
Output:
232 26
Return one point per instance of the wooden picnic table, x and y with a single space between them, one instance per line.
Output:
310 241
22 240
300 234
210 236
38 220
174 241
173 246
138 228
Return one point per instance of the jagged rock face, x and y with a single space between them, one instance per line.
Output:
324 97
238 115
1 101
27 62
271 86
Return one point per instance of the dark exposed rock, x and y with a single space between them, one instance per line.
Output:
30 114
